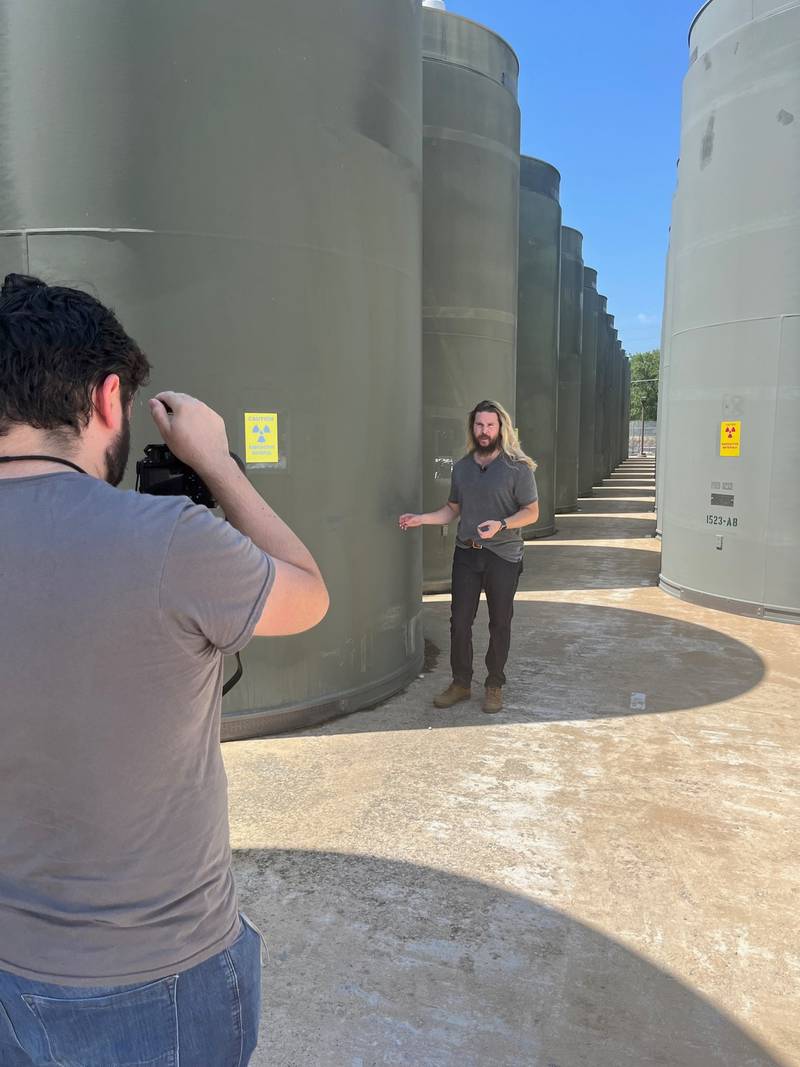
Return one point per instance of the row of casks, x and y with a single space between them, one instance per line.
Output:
727 487
572 374
243 183
510 312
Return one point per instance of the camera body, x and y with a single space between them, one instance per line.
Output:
161 473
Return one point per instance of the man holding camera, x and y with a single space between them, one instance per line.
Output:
120 938
493 494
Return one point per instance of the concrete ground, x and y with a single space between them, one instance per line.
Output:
604 875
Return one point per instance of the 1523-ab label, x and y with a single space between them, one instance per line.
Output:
722 520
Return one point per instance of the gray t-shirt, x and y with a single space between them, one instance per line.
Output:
114 842
492 492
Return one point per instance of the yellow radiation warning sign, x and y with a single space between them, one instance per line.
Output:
730 438
261 437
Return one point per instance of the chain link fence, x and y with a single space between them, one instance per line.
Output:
636 441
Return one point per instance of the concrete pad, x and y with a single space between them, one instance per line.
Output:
603 875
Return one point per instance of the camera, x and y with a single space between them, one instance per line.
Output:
161 473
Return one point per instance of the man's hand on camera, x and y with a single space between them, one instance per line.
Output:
192 431
196 435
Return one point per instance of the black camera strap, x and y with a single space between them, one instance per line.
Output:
44 459
235 677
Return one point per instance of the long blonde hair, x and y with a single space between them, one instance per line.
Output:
509 438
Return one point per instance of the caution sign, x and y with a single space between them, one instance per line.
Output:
261 437
730 438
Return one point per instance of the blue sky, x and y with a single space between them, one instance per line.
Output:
600 95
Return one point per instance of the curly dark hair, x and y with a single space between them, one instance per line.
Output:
56 346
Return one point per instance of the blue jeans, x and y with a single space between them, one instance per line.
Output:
204 1017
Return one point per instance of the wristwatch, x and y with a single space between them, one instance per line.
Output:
503 524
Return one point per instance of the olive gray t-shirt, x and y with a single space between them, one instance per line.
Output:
116 611
495 491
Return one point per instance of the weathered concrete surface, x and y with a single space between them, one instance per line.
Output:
577 882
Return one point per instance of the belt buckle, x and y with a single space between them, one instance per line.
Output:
474 545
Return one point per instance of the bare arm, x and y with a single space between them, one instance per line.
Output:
196 435
526 516
299 597
443 517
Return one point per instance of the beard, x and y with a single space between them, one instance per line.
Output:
485 446
118 453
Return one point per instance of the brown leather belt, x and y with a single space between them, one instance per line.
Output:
474 544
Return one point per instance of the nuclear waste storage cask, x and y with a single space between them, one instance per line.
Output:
470 235
537 338
613 337
588 383
569 370
730 503
600 386
242 183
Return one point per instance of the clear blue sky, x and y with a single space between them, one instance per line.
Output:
600 95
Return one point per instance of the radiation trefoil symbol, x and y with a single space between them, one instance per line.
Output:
730 432
260 432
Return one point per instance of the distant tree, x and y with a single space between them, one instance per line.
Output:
644 365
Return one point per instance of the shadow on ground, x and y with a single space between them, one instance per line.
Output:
601 528
582 660
632 492
550 564
589 505
374 961
573 662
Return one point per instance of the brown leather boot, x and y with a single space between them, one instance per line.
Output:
454 694
493 701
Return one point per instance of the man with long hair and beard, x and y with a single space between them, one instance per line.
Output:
493 492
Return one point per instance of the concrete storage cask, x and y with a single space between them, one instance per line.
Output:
621 406
470 237
537 343
569 370
616 449
626 408
608 393
613 360
730 504
242 182
600 414
612 400
13 257
614 405
588 382
616 399
620 398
